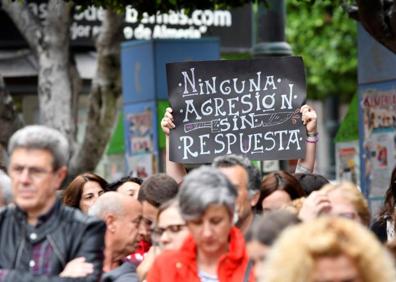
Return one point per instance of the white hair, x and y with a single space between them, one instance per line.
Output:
42 137
110 202
203 187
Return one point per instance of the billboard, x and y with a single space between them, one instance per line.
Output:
231 26
378 135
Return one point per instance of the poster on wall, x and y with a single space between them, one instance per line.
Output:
380 160
141 165
140 131
378 112
140 124
347 162
248 107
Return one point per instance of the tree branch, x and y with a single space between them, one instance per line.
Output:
392 16
377 17
105 91
10 121
27 23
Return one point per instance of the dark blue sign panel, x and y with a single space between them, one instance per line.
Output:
170 51
143 64
138 75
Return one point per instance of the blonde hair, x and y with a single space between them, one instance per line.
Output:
352 194
292 258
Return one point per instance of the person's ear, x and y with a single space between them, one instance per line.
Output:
111 223
60 175
254 199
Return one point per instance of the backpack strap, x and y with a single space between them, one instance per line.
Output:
248 270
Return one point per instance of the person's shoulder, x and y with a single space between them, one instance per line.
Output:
124 273
378 227
4 210
169 257
76 217
9 216
7 210
166 265
128 267
127 277
73 214
379 223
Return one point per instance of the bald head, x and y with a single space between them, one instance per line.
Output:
114 203
122 215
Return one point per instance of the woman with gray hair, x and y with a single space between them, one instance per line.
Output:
215 250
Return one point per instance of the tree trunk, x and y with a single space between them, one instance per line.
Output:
379 20
10 121
49 41
59 81
76 85
54 80
105 91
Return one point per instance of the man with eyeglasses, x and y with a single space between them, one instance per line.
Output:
41 240
154 191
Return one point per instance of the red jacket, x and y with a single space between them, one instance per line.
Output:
181 265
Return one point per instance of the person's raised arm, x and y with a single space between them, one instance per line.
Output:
175 170
309 119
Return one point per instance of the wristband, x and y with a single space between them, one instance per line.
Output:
312 139
312 134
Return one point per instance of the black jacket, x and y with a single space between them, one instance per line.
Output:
70 233
379 229
124 273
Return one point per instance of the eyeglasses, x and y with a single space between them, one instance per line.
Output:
32 172
174 228
349 215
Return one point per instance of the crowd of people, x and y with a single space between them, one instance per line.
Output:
219 222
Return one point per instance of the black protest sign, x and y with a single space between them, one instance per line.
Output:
250 108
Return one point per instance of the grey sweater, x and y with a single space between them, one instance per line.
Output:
124 273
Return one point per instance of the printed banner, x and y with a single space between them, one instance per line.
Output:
378 106
347 162
250 108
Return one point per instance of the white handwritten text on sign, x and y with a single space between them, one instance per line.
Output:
241 107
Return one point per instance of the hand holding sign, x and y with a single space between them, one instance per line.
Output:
167 121
243 107
309 119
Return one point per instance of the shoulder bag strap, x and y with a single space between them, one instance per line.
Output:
247 271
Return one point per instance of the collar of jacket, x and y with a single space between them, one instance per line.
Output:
46 223
227 263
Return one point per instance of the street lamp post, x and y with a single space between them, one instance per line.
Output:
269 31
269 35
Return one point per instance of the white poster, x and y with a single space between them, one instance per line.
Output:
380 160
378 104
141 165
347 162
